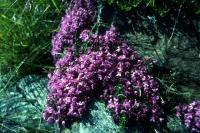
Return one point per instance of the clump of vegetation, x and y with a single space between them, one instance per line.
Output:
162 7
26 28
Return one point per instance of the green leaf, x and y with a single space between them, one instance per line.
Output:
174 124
198 10
21 109
150 3
122 122
99 120
125 7
136 3
110 2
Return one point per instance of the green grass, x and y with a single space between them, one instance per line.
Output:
26 28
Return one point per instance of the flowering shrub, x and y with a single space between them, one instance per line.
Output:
190 114
109 70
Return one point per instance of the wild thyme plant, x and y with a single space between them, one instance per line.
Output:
78 79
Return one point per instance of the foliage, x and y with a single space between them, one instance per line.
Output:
21 108
26 28
160 6
98 120
175 125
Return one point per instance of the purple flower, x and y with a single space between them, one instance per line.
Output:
79 14
95 73
110 35
74 84
190 114
85 35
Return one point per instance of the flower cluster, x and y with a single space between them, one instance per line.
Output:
79 15
76 81
109 70
109 38
139 89
190 114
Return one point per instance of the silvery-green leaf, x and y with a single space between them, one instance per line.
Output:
175 125
21 108
99 120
